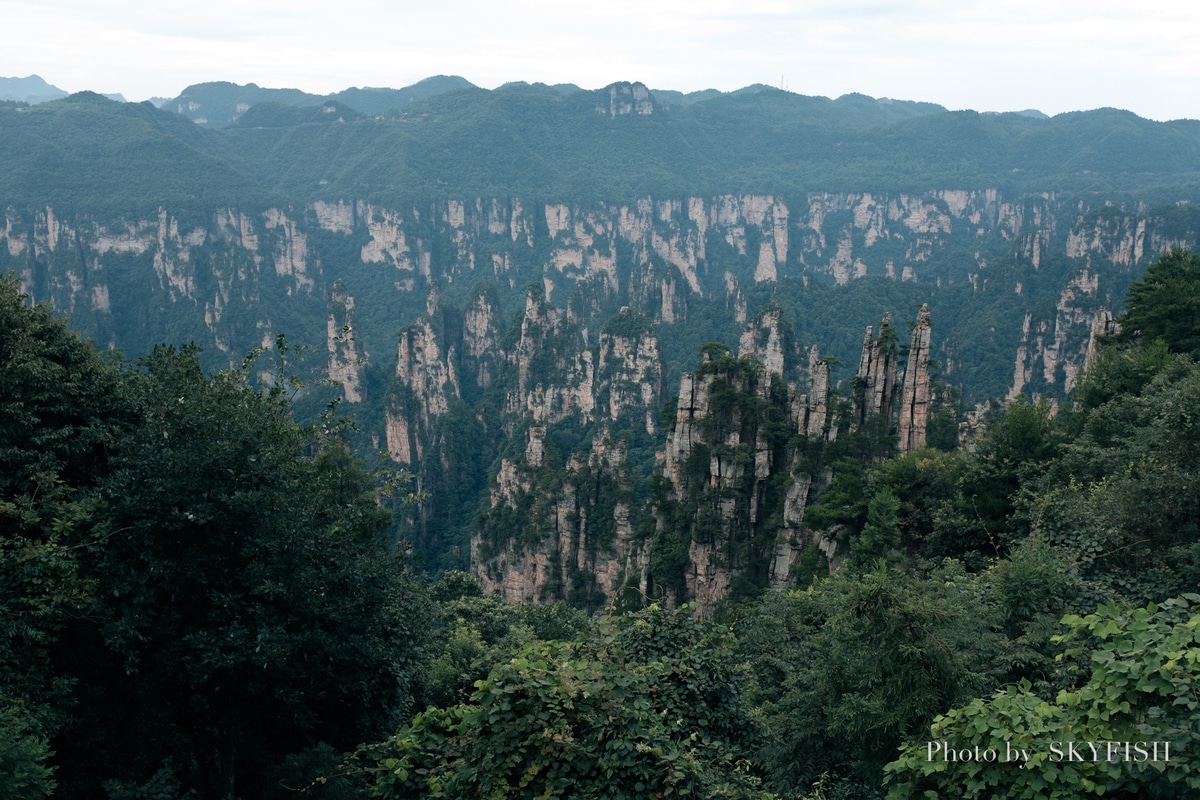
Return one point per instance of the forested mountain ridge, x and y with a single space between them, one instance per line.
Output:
220 103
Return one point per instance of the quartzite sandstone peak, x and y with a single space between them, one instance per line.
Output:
914 398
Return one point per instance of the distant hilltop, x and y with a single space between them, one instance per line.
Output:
219 103
34 90
30 90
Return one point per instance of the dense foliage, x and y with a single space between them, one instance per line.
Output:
198 598
644 706
194 585
1126 727
1164 304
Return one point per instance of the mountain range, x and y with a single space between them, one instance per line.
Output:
491 276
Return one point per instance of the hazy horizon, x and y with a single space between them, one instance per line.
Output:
1012 56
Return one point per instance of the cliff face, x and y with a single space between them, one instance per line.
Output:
875 382
915 397
346 356
233 277
543 368
554 532
505 313
725 513
425 383
630 370
746 449
123 280
1053 350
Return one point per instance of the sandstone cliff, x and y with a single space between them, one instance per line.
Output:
875 381
543 368
554 532
724 516
744 453
915 398
500 313
231 278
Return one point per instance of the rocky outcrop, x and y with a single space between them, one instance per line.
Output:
543 368
623 98
817 421
1053 350
743 456
220 276
875 381
346 356
718 461
768 339
1123 238
914 397
737 488
691 409
480 334
740 483
1103 324
426 381
629 370
576 542
555 375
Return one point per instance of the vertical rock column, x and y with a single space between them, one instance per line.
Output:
1103 325
817 402
914 399
345 360
426 381
877 372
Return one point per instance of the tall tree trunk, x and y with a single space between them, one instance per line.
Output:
228 764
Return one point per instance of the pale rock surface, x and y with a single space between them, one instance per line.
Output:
914 397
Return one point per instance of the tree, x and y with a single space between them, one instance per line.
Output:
1165 304
470 633
646 707
1161 321
1139 674
1118 370
23 755
60 416
1123 498
253 607
979 521
847 670
881 534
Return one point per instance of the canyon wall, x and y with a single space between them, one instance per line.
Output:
542 321
233 277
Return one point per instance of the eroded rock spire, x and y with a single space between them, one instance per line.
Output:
914 397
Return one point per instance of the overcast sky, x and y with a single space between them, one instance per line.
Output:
999 55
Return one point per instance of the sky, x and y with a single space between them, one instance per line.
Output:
1003 55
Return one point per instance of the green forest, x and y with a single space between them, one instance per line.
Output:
88 154
200 597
